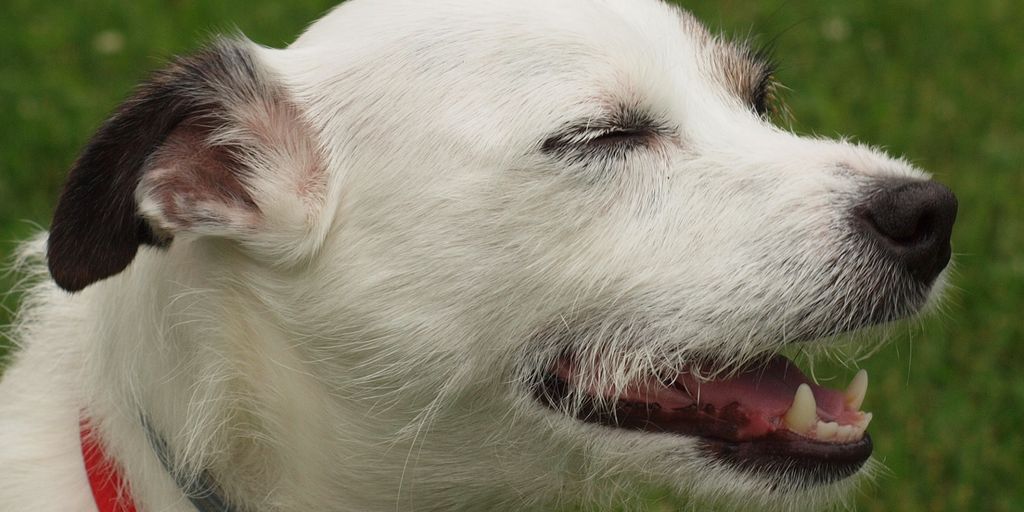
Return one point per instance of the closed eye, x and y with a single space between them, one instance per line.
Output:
621 136
625 132
763 98
763 94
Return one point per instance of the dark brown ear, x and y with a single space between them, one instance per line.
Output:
165 126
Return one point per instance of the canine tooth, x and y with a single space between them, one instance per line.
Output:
857 389
802 415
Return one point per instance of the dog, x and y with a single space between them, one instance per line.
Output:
459 255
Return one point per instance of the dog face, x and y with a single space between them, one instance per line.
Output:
536 246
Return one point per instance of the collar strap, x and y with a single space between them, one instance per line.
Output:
202 491
108 489
108 486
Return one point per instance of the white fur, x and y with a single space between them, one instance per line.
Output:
369 349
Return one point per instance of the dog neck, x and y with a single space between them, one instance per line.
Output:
219 382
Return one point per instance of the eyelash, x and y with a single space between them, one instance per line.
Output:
601 138
763 99
616 136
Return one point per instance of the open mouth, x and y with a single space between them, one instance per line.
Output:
766 418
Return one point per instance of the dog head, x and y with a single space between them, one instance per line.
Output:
539 246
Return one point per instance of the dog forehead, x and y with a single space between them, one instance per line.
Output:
496 74
473 19
573 40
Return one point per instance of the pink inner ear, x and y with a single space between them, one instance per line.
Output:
190 184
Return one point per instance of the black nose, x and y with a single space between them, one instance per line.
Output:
912 221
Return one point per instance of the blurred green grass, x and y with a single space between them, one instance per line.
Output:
938 81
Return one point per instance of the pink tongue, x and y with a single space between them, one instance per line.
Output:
766 390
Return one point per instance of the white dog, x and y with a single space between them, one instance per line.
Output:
458 255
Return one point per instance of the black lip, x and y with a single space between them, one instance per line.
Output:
803 461
780 455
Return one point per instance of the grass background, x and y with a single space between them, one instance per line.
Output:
939 81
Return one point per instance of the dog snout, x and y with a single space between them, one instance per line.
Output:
911 222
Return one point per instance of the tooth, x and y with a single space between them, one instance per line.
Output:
845 433
857 389
802 415
864 422
826 431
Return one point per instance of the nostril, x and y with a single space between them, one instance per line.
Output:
913 221
913 212
900 224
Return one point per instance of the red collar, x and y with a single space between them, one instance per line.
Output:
108 487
